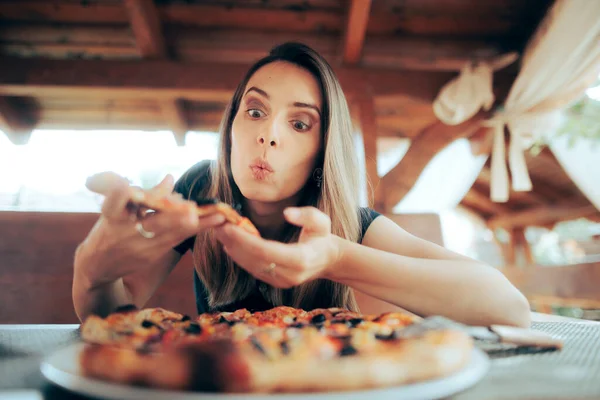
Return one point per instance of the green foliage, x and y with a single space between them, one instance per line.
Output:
583 121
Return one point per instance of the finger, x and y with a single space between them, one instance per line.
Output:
256 252
179 225
115 205
311 219
105 182
164 187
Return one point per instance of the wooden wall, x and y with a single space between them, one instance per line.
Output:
36 268
36 265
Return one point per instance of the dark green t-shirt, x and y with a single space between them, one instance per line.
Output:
189 186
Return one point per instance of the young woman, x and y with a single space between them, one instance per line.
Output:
287 161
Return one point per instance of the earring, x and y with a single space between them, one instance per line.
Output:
318 176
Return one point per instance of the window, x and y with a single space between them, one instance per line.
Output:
49 173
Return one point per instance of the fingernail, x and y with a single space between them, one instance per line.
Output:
292 212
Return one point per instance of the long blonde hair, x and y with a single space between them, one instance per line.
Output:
334 190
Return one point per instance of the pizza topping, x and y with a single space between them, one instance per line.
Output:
148 324
348 350
255 342
319 318
355 321
194 328
185 318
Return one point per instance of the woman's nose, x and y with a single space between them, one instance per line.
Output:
270 137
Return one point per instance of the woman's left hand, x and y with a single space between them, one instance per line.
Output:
285 265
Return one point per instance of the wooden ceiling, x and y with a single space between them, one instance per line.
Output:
415 35
170 64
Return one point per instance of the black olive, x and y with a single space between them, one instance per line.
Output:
392 336
318 319
285 349
355 321
257 345
348 350
148 324
297 325
224 320
194 328
185 318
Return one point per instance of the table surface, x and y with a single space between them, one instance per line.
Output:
572 373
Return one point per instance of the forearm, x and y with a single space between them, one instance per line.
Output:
466 291
92 298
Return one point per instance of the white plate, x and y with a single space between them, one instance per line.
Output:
62 369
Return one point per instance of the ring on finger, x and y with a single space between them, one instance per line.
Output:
146 234
270 269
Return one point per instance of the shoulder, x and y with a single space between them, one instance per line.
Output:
366 217
194 179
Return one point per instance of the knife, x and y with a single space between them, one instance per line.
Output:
494 334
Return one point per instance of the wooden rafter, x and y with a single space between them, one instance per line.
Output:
542 216
485 177
149 38
479 201
400 179
146 26
356 29
18 118
174 113
195 81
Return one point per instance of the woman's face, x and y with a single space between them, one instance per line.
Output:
275 136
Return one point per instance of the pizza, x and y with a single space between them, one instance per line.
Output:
203 207
283 349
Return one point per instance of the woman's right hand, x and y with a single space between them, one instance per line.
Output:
114 248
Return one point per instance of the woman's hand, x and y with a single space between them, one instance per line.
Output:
285 265
115 247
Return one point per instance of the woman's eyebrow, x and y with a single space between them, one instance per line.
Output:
257 90
306 105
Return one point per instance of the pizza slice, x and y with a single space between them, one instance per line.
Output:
141 198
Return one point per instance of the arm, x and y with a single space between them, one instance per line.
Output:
101 298
115 265
398 268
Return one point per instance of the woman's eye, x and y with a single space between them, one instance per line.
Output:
300 126
255 113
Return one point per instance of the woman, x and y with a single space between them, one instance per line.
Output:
287 161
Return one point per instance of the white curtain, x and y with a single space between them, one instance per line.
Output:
561 60
581 161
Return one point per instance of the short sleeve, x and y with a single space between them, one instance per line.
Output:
191 183
367 216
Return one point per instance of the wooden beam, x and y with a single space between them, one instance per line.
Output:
196 45
146 27
480 201
400 179
542 216
522 245
485 177
18 117
200 81
312 17
174 113
356 28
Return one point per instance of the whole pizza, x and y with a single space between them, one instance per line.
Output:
283 349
